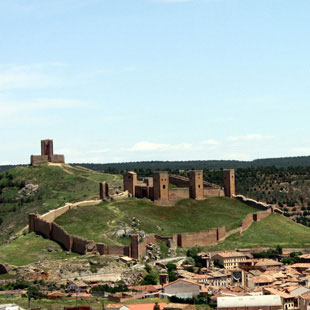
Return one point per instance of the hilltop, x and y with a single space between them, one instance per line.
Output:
51 187
186 216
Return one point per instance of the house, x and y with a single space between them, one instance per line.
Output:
268 264
229 260
215 278
304 302
77 287
301 267
179 307
286 299
116 307
123 296
305 258
182 288
266 302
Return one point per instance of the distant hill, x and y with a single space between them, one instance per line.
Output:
280 162
284 162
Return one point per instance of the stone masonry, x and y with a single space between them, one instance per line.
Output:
47 154
196 184
229 182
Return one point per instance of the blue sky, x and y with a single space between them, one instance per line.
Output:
129 80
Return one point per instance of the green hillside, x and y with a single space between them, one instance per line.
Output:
57 185
94 222
270 232
31 248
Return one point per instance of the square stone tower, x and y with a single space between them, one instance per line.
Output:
47 149
229 182
161 185
196 184
130 182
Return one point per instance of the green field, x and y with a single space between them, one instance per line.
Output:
269 232
57 185
93 222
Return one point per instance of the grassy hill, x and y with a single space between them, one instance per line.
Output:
31 248
95 222
270 232
57 185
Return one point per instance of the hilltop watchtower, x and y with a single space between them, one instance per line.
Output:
229 182
161 185
47 149
196 184
47 154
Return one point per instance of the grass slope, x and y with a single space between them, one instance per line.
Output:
31 248
270 232
93 222
57 185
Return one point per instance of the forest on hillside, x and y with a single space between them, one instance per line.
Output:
300 161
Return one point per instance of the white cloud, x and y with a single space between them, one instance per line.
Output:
148 146
100 151
4 163
249 137
145 146
304 150
235 156
210 142
10 108
27 76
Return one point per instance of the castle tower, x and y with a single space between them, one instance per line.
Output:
103 190
130 182
161 185
196 184
229 182
47 148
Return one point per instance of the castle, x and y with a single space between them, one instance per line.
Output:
157 187
47 155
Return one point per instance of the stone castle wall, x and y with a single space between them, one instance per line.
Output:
202 238
72 243
178 193
213 192
44 225
59 235
247 222
253 203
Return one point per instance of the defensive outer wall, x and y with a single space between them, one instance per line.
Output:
45 226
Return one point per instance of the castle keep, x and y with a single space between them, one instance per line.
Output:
47 155
157 188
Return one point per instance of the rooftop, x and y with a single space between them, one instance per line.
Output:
249 301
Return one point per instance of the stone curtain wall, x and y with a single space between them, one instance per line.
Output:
53 214
44 225
178 193
252 203
59 235
69 242
247 222
213 192
181 181
204 238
